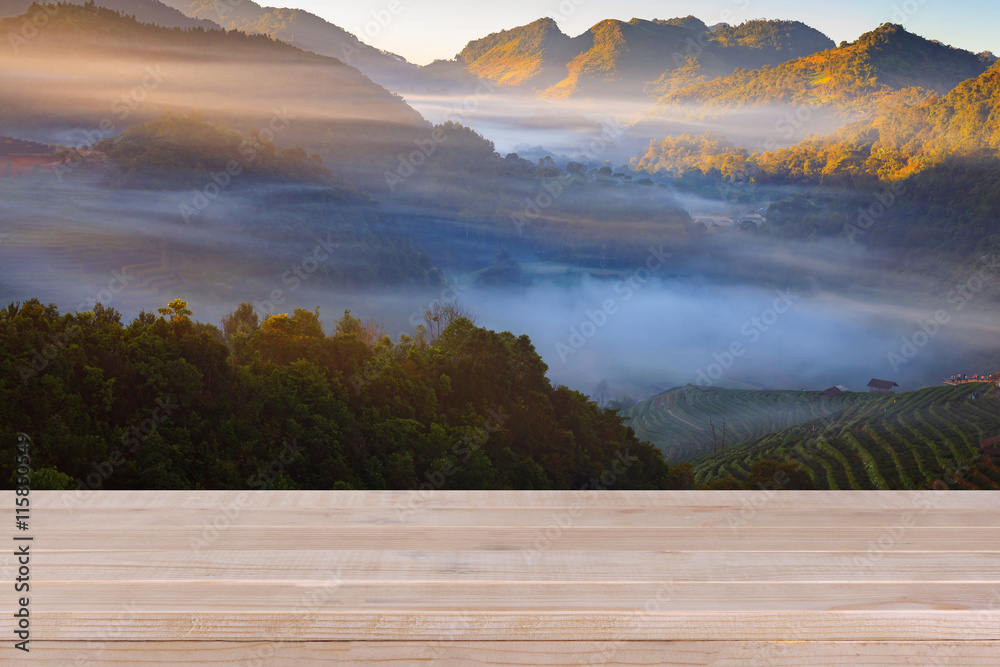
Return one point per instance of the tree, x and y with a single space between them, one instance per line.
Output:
177 310
440 315
771 474
729 483
243 320
601 393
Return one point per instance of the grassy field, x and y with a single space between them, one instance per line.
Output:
911 440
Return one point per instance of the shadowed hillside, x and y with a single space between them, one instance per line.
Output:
304 30
89 61
145 11
681 421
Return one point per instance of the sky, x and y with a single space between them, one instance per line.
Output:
426 30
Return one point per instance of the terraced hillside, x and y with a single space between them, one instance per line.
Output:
912 440
680 421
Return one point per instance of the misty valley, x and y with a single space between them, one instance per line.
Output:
656 255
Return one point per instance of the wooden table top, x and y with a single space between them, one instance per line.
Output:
500 577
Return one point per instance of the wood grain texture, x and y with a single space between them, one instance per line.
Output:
519 654
520 578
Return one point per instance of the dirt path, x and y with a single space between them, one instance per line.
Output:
671 412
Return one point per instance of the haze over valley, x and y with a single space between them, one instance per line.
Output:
660 212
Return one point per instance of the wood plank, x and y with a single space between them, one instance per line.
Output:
568 566
513 653
672 500
304 622
224 596
695 576
526 540
732 518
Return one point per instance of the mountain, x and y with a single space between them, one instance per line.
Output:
919 439
534 55
757 43
144 11
852 76
942 151
304 30
907 132
95 72
630 59
901 140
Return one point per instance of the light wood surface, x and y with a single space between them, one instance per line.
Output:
520 578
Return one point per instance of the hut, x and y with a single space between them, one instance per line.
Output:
882 386
991 447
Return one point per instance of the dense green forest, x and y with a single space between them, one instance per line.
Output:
165 402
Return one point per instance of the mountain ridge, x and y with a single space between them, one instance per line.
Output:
879 62
633 58
144 11
303 29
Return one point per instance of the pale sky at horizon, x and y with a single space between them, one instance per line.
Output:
425 30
